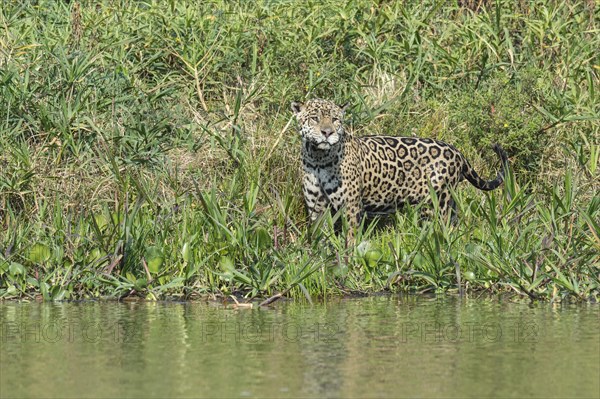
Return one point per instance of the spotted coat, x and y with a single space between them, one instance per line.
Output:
375 174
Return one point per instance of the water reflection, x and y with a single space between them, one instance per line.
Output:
375 347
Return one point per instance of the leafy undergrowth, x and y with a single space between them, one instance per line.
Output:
224 243
148 148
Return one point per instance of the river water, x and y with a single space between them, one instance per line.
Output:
384 346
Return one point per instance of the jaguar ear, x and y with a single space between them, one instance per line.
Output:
345 107
297 107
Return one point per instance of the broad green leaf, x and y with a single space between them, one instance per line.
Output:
16 268
154 259
39 253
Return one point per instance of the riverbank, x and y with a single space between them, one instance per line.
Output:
149 149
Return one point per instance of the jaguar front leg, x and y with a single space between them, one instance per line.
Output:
350 206
314 197
354 216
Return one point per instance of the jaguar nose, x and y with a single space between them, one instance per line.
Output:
326 131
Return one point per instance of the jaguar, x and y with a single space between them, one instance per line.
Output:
375 175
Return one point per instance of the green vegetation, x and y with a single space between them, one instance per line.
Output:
148 148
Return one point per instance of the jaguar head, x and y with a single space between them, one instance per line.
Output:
320 122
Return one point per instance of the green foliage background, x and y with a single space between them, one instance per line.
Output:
148 147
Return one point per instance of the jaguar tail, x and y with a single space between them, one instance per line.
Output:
472 176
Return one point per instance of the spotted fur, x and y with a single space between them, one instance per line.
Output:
376 174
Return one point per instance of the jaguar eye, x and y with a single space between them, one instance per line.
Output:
314 119
336 119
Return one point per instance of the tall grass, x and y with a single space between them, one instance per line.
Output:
148 148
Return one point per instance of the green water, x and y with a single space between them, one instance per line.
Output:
374 347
